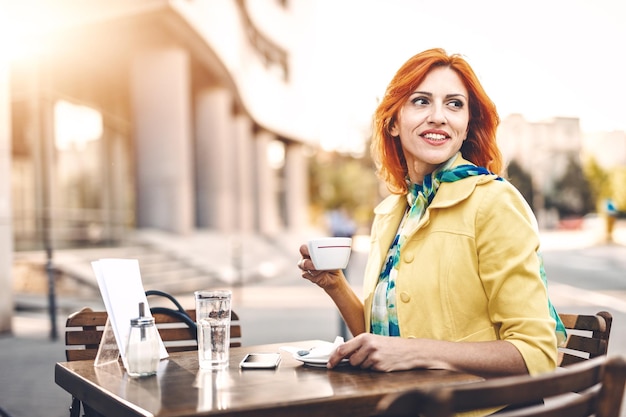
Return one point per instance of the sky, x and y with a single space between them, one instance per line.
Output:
539 58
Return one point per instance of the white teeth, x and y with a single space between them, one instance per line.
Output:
434 136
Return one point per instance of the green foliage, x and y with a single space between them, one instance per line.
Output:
599 182
521 180
573 194
339 180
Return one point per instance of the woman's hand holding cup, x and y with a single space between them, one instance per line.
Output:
323 259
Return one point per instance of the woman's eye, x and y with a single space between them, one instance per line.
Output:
457 104
420 101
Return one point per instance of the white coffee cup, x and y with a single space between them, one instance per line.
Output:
330 253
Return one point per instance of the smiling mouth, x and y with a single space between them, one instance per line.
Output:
434 137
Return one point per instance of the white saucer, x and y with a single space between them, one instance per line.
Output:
315 362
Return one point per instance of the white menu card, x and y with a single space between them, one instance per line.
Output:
122 291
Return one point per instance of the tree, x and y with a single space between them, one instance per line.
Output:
572 194
521 180
343 181
598 180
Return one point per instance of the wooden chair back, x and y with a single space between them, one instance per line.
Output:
587 337
84 328
590 388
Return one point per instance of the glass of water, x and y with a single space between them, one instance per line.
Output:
213 309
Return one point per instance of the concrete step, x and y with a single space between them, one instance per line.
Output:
167 262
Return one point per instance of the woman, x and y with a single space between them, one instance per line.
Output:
454 267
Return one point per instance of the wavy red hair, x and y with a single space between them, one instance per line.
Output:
480 147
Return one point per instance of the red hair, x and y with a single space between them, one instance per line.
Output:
480 147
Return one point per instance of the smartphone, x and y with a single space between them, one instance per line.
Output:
260 361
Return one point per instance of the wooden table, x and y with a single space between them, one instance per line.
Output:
294 389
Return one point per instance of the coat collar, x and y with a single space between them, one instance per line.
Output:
390 211
448 194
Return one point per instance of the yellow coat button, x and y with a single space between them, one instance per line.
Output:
408 257
405 297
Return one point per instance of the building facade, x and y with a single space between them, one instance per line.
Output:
168 115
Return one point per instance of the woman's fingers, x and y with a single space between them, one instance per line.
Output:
306 265
304 251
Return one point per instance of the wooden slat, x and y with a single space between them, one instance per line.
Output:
568 359
582 322
84 331
586 344
235 332
177 334
80 354
171 349
87 317
598 384
83 337
588 336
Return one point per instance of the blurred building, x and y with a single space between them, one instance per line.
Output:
543 149
172 115
608 148
156 114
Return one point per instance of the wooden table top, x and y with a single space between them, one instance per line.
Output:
180 388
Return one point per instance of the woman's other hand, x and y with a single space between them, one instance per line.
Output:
386 354
379 353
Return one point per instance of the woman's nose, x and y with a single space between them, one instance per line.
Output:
437 115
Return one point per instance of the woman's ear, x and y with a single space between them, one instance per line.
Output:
392 129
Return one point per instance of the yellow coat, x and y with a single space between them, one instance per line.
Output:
470 272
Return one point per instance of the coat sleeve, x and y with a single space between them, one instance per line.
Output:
509 268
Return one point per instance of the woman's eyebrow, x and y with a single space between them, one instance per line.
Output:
426 93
